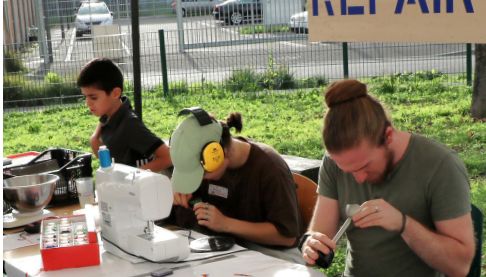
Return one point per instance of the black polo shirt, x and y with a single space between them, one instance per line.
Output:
130 142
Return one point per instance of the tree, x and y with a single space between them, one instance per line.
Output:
478 104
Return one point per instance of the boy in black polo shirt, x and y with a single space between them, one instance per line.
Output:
130 142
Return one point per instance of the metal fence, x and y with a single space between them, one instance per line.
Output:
199 50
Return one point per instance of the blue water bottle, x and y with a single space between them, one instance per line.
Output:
104 155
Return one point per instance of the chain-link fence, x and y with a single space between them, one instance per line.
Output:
228 44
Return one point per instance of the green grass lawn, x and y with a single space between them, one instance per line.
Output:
290 122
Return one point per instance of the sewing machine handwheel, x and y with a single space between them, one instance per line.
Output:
324 260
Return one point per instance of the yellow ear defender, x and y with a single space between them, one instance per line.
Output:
212 156
212 153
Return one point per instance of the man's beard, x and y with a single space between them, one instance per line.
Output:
390 155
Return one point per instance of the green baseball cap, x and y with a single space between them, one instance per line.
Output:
186 144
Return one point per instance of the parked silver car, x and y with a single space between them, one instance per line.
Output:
238 11
299 23
91 14
199 7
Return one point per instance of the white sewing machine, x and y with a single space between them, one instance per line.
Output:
130 199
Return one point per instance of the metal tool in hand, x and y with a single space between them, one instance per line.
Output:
325 260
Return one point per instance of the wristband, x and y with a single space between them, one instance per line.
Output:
403 223
302 241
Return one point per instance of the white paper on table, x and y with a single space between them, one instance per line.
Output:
247 262
19 240
207 255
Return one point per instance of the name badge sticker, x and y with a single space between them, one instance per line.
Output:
218 191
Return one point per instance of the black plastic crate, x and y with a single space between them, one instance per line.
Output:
65 163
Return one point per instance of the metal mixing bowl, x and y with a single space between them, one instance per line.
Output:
29 193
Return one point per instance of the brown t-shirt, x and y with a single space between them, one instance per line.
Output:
262 190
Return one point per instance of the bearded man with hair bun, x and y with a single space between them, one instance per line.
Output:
414 192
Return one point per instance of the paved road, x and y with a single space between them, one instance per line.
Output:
303 59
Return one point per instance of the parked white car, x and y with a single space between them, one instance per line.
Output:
299 23
92 14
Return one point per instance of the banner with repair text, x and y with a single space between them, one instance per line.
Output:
446 21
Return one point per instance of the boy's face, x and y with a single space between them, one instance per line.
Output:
99 103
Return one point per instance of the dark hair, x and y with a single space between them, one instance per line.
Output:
101 73
233 120
353 117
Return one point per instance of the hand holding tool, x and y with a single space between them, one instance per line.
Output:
324 260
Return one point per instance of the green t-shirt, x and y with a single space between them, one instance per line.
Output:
429 184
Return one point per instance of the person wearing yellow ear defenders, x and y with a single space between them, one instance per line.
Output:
244 188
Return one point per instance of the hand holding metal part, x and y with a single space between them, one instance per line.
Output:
324 260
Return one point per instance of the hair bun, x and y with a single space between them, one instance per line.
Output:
343 91
234 120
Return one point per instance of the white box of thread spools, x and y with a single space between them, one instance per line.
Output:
69 241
